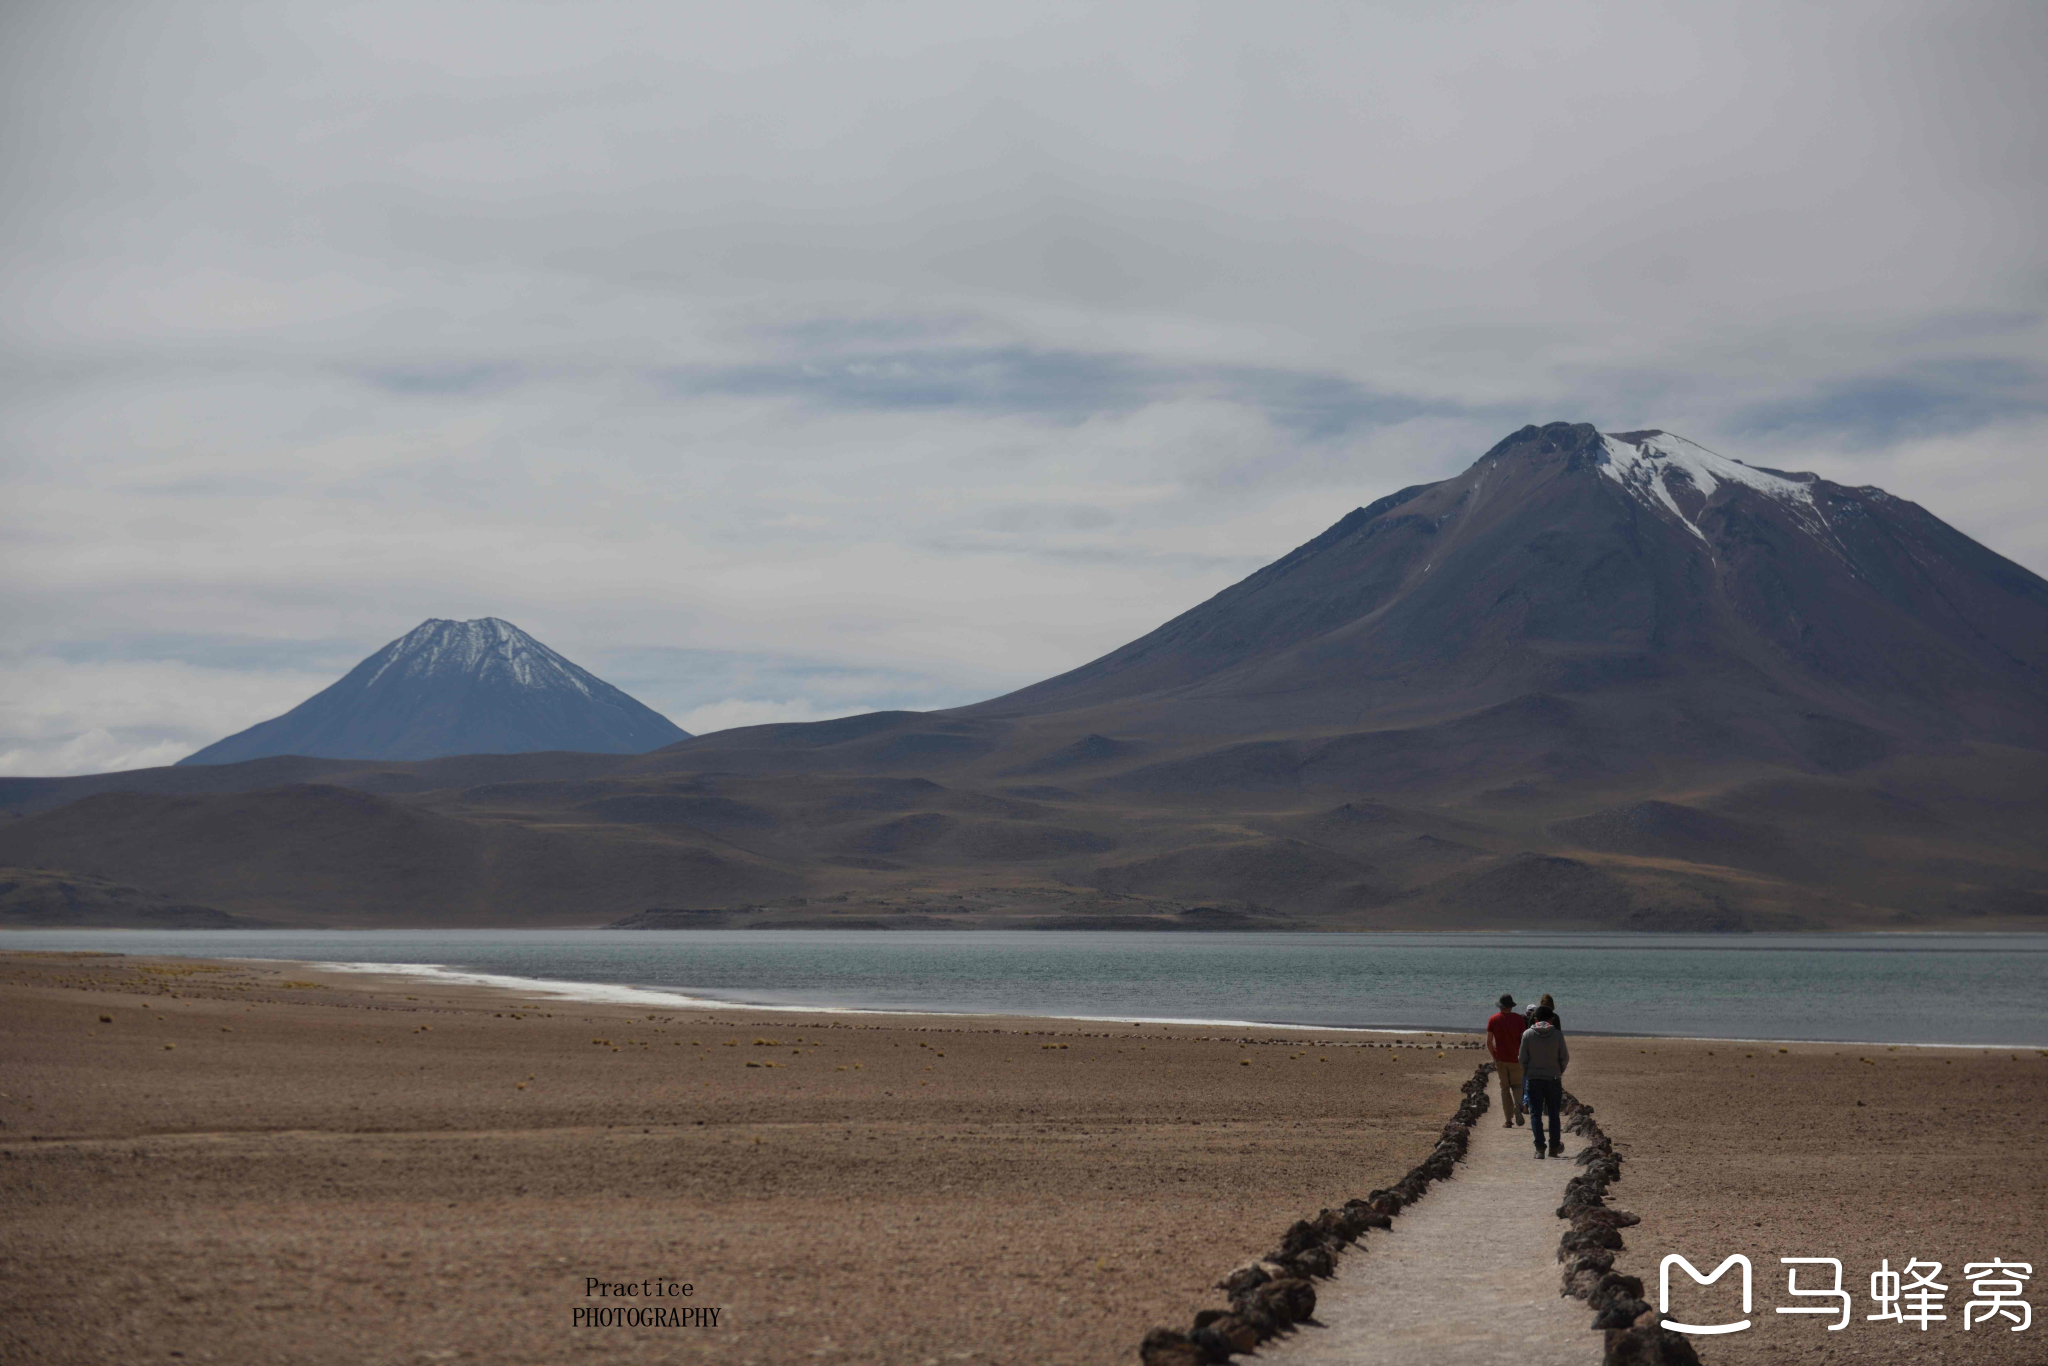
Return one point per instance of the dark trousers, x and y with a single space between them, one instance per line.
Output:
1546 1095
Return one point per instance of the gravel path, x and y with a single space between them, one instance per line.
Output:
1468 1277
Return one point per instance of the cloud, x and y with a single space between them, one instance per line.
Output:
742 711
823 356
1954 396
707 690
88 751
54 713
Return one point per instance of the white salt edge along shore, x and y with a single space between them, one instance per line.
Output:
609 993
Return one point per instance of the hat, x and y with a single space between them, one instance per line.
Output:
1507 1002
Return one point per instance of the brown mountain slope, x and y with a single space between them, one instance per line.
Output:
42 899
317 853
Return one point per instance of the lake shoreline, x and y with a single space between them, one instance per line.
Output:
633 993
1876 990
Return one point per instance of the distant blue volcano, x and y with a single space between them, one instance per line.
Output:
455 687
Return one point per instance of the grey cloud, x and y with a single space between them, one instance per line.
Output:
1066 386
1940 398
1063 385
1100 553
676 681
443 379
255 653
851 355
1027 518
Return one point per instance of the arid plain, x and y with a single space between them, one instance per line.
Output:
261 1163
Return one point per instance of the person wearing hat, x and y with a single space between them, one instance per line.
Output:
1504 1042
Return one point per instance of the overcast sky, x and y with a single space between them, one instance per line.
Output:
780 361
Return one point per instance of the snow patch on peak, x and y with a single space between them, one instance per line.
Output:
487 645
1663 453
1648 463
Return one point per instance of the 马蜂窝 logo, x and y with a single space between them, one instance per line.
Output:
1664 1293
1908 1297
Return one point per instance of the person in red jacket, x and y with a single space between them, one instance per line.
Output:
1504 1041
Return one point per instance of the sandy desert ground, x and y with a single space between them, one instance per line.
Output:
263 1163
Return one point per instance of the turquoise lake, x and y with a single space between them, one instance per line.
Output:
1961 989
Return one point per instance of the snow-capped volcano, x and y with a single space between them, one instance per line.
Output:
1677 598
456 687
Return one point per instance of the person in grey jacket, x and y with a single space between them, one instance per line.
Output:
1544 1058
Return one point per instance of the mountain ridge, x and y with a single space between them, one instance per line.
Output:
1593 681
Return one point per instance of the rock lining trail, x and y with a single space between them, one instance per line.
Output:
1468 1276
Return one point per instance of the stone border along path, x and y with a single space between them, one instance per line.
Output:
1464 1281
1271 1295
1635 1337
